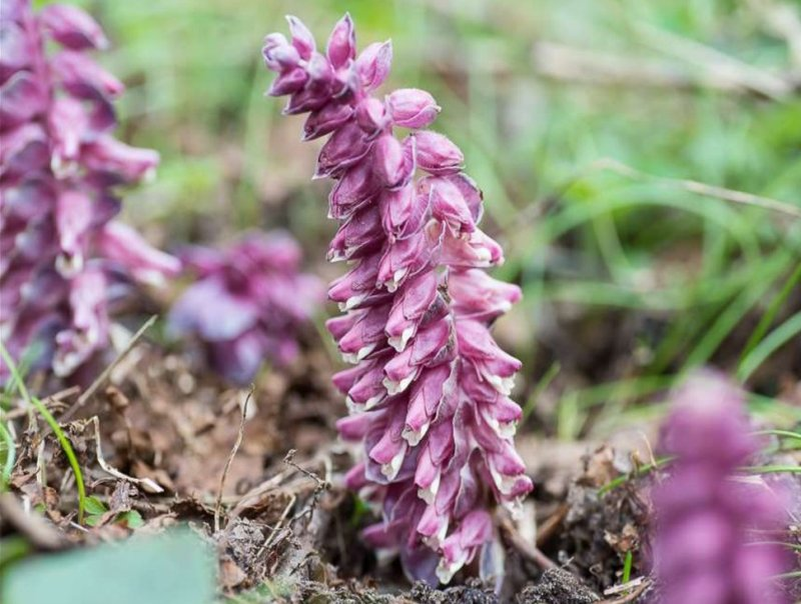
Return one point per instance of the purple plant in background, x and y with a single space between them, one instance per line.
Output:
62 257
702 551
429 393
247 304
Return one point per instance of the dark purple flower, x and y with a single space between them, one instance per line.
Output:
60 251
709 521
247 304
429 390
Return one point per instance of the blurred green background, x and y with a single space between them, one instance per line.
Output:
578 118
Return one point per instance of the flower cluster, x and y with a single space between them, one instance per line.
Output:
62 256
247 303
701 548
429 392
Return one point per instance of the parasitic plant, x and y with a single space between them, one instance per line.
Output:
704 514
429 392
247 304
63 258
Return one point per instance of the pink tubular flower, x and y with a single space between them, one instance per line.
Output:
429 390
60 251
247 303
702 551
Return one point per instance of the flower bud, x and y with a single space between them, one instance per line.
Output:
414 299
68 124
356 187
288 82
345 148
361 235
72 28
474 250
402 259
89 323
302 38
373 64
23 150
412 108
80 75
391 166
436 154
124 246
73 219
278 54
365 334
21 98
326 120
371 115
130 164
16 55
342 43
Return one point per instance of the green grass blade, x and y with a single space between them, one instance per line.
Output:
773 469
734 312
11 457
51 421
777 338
627 567
767 319
544 382
780 433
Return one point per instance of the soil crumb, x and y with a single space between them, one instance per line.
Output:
557 586
472 593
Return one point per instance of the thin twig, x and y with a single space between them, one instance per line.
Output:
82 400
148 483
699 188
277 527
229 461
38 531
591 66
320 485
716 64
528 550
638 586
551 524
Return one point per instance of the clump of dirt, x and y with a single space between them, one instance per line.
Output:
557 586
474 592
601 527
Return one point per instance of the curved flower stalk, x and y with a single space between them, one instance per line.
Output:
247 304
62 257
702 550
429 392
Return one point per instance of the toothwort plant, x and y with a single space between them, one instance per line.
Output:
247 304
702 550
429 393
63 259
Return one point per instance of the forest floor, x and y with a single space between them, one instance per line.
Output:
258 475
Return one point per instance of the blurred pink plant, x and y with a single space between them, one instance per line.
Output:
702 551
247 304
63 257
429 393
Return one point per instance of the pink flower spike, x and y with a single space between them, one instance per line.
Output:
59 167
703 547
428 394
247 304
